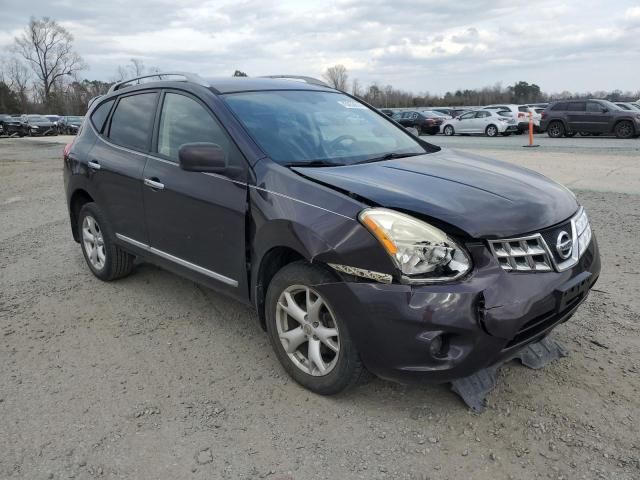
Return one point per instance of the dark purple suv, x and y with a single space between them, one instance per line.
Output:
361 246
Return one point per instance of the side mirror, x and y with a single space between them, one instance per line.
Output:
202 157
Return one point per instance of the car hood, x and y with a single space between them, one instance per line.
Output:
483 197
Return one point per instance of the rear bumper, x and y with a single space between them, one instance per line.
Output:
482 320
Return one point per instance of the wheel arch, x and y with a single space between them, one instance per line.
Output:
78 199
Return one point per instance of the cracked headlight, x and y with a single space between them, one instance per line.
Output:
422 252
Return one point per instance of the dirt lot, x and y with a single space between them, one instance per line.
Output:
153 377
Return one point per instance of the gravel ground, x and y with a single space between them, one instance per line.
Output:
155 377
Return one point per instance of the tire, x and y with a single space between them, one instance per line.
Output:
115 262
585 134
491 131
624 129
555 129
449 131
570 134
342 369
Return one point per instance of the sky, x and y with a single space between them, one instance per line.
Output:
420 46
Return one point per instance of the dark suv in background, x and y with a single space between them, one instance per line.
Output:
589 117
361 246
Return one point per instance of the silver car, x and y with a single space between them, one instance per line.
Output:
487 122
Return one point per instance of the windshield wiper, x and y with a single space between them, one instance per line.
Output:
388 156
314 163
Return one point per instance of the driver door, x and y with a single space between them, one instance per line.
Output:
465 122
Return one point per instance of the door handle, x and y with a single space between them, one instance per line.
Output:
154 184
94 165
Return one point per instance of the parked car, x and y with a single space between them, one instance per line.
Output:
11 126
360 246
69 125
39 125
387 111
423 122
517 112
628 106
567 117
488 122
451 112
55 119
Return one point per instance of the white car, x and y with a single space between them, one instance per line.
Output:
519 112
487 122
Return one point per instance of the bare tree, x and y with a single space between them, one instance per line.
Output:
135 68
17 77
356 90
336 76
48 49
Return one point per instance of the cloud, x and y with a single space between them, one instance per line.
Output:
419 46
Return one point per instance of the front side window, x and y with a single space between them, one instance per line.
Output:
132 121
184 120
300 126
467 116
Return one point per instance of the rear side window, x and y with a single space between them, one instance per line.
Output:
559 106
594 107
483 114
132 120
184 120
577 107
100 114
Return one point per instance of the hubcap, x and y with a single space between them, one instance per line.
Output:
307 330
93 242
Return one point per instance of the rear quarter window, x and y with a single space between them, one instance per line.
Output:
100 114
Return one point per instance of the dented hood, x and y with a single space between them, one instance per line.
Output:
485 198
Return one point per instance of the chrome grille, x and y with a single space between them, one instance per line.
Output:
525 254
538 252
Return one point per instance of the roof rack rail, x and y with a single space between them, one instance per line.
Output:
184 77
300 78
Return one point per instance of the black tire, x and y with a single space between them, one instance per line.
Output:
449 131
570 134
348 369
555 129
624 129
117 262
491 131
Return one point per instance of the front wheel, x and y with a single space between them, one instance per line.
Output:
448 131
491 131
105 259
311 342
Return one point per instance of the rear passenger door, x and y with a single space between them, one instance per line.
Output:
118 158
577 118
196 221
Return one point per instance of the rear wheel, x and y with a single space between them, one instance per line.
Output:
491 131
105 259
555 129
624 129
448 131
311 342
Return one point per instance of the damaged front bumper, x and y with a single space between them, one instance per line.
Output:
439 333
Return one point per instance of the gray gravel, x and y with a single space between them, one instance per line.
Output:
155 377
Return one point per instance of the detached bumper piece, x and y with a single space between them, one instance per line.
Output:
474 389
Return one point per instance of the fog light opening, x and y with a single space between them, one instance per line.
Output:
439 346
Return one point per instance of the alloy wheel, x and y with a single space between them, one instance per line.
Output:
93 242
624 130
307 330
492 131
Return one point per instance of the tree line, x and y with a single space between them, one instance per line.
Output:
42 74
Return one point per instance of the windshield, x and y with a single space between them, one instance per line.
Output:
304 127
